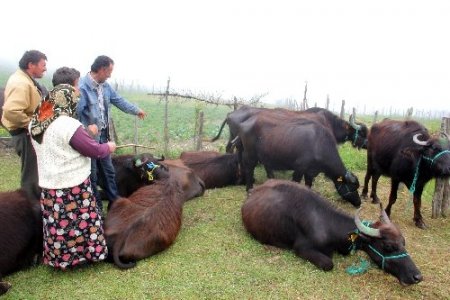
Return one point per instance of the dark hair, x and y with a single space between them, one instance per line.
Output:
102 61
31 56
65 75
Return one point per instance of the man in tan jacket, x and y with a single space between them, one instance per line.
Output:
22 95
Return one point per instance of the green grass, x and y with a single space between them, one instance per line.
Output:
214 258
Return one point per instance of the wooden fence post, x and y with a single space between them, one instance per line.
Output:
441 195
166 120
135 135
200 131
342 109
305 105
375 117
111 125
327 105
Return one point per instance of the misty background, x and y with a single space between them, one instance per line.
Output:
378 55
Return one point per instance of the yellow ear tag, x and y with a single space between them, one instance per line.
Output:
340 179
353 237
150 176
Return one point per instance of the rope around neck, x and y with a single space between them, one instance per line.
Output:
436 156
412 188
384 258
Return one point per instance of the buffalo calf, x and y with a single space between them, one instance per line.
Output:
149 220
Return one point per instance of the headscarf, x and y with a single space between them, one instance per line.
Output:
60 101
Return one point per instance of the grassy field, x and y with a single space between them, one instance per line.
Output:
213 256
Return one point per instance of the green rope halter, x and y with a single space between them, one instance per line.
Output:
356 137
412 188
436 156
384 258
152 168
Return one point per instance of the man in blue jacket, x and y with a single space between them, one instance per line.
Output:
96 97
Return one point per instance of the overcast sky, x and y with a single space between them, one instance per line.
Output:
373 54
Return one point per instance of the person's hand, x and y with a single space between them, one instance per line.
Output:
112 147
141 114
93 129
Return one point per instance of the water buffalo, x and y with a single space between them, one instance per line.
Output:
215 169
135 171
149 220
405 152
342 130
20 233
300 144
288 215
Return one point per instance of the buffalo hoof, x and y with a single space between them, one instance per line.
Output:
375 201
4 287
420 224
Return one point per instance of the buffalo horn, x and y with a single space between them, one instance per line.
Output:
374 232
383 216
353 124
162 158
419 142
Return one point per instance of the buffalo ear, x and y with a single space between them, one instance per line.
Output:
137 163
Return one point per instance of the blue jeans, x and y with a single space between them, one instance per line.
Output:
103 173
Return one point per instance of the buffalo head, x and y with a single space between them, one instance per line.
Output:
347 186
149 168
436 153
358 136
385 245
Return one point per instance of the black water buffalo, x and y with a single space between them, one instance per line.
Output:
342 130
20 233
404 151
214 168
135 171
300 144
149 220
288 215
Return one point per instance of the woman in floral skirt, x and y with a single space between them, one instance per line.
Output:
73 226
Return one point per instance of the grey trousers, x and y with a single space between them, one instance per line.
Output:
29 180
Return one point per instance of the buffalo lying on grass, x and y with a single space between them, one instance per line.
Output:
215 169
287 215
135 171
149 220
20 233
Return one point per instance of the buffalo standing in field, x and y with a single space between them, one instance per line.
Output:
149 220
300 144
405 152
20 233
215 169
342 130
287 215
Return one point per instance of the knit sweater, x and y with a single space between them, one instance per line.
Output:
59 165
